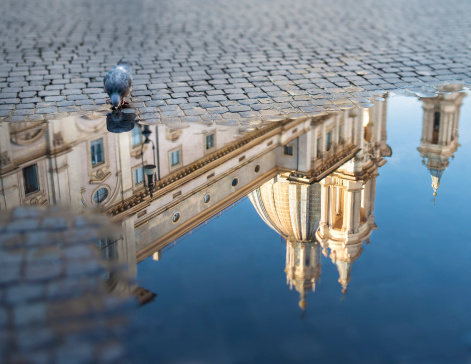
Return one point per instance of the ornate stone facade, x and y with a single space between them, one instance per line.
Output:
440 126
344 152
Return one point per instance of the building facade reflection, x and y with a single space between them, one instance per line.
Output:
336 212
440 126
312 179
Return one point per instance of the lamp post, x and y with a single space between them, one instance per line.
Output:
149 169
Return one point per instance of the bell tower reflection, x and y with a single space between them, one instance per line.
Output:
440 131
348 198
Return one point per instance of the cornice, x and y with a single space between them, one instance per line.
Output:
325 167
198 168
186 226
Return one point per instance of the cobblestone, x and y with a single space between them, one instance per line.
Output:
54 305
261 55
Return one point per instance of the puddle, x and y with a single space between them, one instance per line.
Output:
287 237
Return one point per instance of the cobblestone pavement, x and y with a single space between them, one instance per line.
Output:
54 305
214 60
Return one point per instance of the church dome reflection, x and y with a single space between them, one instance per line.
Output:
325 204
291 209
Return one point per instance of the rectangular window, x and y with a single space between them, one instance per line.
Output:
319 147
136 136
96 149
288 150
436 120
328 141
175 158
30 176
108 247
436 127
209 141
138 176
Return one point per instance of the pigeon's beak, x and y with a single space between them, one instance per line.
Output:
115 100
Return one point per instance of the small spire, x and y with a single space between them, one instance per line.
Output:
344 284
435 185
302 304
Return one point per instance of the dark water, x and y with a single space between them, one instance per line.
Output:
223 295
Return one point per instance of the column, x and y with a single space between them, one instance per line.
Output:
324 203
123 147
127 250
58 176
304 148
372 194
366 197
332 204
9 192
354 206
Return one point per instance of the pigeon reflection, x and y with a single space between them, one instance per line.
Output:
118 121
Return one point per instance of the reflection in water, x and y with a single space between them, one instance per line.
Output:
338 211
120 121
311 179
440 132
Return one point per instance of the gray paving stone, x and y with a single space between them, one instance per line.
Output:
49 93
317 54
46 110
8 95
48 312
54 98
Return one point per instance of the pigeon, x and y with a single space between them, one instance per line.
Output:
118 83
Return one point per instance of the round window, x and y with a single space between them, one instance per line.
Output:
235 182
257 168
176 217
206 198
100 195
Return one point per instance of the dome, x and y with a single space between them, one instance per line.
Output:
291 209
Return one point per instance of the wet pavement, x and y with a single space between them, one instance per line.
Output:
254 141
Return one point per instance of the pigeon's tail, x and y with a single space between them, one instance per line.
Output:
115 99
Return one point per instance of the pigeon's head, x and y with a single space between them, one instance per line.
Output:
115 99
